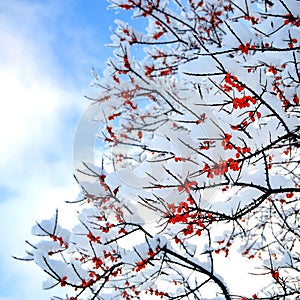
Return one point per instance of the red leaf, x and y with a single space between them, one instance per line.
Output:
116 190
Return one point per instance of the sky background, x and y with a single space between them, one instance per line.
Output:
47 50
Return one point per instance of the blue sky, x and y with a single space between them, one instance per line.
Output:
48 48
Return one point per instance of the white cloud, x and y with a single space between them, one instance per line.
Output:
40 104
